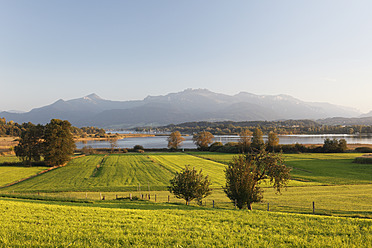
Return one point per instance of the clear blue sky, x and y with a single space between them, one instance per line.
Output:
318 50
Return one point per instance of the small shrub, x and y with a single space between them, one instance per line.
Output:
215 146
124 150
229 147
140 151
363 160
363 149
138 147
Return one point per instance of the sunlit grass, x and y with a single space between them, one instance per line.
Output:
28 223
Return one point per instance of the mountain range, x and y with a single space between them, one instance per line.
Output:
188 105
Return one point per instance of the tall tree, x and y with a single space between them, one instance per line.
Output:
257 139
272 141
245 173
245 138
203 139
59 142
175 140
30 146
189 185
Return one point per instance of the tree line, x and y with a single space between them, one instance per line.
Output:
253 141
11 128
279 127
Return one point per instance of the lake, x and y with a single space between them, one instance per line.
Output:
161 141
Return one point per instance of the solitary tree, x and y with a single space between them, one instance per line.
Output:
113 143
272 141
257 140
30 146
175 140
245 173
203 139
245 138
189 185
59 142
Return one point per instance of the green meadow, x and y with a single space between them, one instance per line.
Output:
27 223
339 188
11 171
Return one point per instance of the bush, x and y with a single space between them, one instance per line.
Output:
215 146
140 151
138 147
125 150
293 148
363 160
363 149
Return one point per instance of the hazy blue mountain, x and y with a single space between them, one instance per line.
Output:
188 105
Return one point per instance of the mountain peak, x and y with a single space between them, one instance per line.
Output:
93 96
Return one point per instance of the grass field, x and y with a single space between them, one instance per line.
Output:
336 185
349 193
320 168
10 173
26 223
119 173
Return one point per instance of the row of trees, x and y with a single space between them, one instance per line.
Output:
243 177
279 127
11 128
54 142
253 141
248 140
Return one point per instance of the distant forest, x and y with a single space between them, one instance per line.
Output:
279 127
12 128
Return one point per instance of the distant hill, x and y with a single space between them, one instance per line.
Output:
346 121
188 105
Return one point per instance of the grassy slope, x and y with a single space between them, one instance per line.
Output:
10 173
126 172
174 163
118 173
325 169
28 223
329 169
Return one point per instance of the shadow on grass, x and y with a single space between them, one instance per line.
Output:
21 164
118 204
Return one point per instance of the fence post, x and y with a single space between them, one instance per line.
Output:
100 196
149 197
168 199
268 206
86 195
155 197
130 196
213 203
116 197
313 207
235 203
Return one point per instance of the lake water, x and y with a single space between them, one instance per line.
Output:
161 141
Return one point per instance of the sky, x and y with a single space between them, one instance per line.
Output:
317 51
